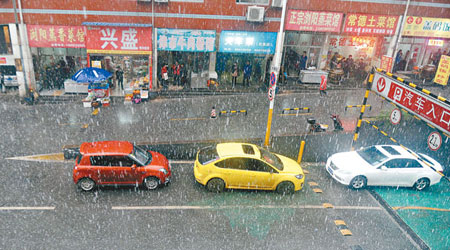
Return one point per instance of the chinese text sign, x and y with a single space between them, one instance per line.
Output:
313 21
119 40
427 27
50 36
386 63
186 40
248 42
370 24
427 108
443 71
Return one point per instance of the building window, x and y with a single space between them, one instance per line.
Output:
5 40
262 2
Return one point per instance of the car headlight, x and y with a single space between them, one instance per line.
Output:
300 176
163 170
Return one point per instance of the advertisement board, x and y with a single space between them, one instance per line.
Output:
119 40
186 40
53 36
368 24
248 42
304 20
427 27
443 71
386 63
427 108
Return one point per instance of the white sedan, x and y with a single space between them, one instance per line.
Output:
384 165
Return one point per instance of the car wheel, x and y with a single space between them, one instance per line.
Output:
286 187
421 184
358 182
86 184
151 182
215 185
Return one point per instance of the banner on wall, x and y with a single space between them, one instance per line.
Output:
368 24
52 36
443 71
427 27
119 40
186 40
248 42
303 20
414 101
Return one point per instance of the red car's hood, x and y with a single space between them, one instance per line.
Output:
159 160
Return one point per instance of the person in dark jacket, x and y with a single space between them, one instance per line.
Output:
303 61
234 74
247 74
119 77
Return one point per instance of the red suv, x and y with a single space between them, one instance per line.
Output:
119 163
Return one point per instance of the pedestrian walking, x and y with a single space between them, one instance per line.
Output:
397 61
176 73
303 61
323 85
2 82
247 74
164 76
183 75
119 77
234 74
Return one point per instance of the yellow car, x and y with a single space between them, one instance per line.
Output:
246 166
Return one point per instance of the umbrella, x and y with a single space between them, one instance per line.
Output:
91 75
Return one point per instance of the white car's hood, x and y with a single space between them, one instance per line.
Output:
350 161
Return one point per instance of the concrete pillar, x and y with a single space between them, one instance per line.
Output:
322 63
393 42
27 58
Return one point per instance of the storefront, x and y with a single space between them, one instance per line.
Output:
190 49
363 36
58 52
308 31
240 47
423 38
121 47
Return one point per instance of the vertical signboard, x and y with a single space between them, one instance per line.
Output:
386 63
443 71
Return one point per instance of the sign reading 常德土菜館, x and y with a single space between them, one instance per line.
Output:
119 40
305 20
56 36
429 109
426 27
365 24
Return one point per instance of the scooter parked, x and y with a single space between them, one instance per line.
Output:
316 127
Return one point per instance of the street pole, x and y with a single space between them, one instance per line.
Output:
21 42
275 68
402 24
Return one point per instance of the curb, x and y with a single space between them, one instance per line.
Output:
399 220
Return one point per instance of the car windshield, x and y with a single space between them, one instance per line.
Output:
372 155
208 154
271 158
142 156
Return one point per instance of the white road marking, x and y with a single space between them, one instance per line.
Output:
26 208
240 207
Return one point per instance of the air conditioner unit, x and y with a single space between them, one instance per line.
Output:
255 14
148 1
277 3
161 1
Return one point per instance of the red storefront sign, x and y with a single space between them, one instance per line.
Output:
2 60
119 40
313 21
386 63
370 24
51 36
427 108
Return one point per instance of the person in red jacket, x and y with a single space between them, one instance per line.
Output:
323 85
164 75
176 73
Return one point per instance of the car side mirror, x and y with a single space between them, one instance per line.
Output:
384 168
133 166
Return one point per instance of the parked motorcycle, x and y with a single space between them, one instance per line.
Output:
316 127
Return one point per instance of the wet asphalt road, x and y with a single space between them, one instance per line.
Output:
182 215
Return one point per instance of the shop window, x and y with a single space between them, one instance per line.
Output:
5 40
265 2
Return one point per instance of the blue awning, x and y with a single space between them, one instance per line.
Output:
117 24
